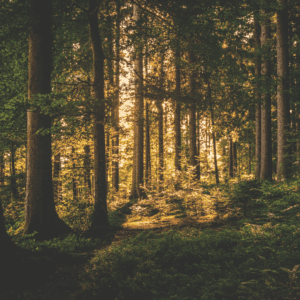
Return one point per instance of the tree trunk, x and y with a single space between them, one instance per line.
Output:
192 115
160 144
107 150
40 214
147 146
198 144
160 118
186 140
283 101
74 180
87 168
230 158
138 168
13 182
257 100
213 133
115 114
266 137
100 217
56 175
250 160
177 111
234 158
2 168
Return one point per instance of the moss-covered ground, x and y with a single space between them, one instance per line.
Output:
235 241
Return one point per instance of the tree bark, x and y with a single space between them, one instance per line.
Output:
283 101
147 146
213 133
230 158
56 175
177 111
13 182
234 158
192 115
40 214
266 137
87 168
138 168
160 118
2 168
74 180
115 114
257 100
160 143
100 216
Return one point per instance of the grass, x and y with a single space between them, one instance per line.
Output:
234 241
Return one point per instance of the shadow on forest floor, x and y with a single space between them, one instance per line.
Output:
48 275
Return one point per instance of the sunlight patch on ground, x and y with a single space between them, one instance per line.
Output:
167 221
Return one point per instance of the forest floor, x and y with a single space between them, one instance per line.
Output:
244 241
48 276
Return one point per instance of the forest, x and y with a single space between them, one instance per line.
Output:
149 149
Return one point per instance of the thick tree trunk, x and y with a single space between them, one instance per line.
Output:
115 113
283 101
257 100
100 217
40 214
192 115
138 168
266 137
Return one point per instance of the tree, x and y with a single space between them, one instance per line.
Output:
56 176
257 98
115 113
266 136
213 132
74 180
230 157
40 213
177 130
160 119
138 151
283 105
13 182
100 217
192 113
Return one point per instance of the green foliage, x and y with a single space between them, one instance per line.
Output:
194 265
68 244
257 259
169 265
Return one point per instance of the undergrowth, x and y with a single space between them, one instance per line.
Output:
253 254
